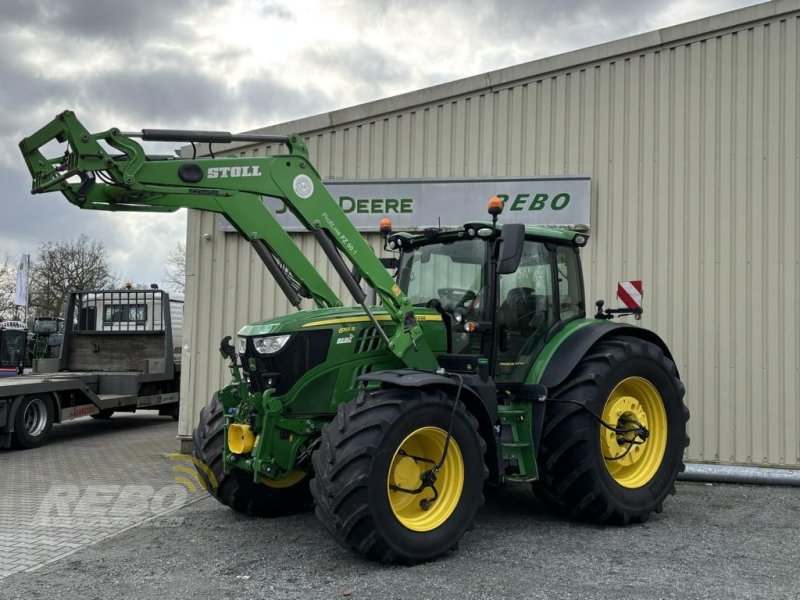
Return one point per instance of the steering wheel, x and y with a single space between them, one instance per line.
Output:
453 296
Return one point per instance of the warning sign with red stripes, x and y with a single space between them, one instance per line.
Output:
630 293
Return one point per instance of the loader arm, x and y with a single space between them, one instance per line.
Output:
232 187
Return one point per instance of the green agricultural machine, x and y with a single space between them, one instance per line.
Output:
45 339
478 367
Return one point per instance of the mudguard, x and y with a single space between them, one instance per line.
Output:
574 348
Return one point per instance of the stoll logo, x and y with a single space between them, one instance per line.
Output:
239 171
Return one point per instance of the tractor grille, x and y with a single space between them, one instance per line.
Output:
369 339
304 351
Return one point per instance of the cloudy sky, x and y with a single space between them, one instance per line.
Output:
242 64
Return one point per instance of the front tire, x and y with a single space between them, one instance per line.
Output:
373 456
593 473
237 489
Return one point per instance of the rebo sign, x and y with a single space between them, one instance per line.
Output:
419 203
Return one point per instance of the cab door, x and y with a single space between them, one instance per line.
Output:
526 311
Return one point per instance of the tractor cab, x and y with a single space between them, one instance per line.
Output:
45 339
502 291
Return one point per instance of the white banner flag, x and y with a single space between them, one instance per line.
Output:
21 293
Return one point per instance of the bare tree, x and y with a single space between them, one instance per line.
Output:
175 273
8 283
62 267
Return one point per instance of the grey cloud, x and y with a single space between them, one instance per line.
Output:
32 219
358 62
38 217
22 12
274 9
159 97
267 99
102 19
23 88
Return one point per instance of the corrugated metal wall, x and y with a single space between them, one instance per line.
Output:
691 136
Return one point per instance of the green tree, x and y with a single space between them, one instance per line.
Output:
63 267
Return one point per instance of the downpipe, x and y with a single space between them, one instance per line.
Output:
740 474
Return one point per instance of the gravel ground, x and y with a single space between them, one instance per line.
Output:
712 541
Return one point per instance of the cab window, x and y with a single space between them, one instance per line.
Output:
453 275
525 312
568 272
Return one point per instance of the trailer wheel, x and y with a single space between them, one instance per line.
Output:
591 472
373 459
237 489
33 421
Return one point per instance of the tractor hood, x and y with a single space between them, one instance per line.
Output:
329 318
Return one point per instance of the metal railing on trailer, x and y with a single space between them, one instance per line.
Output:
100 314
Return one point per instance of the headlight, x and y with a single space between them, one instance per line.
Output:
270 344
241 345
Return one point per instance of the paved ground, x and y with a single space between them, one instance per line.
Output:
720 541
93 479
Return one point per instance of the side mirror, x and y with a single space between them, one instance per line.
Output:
512 238
226 348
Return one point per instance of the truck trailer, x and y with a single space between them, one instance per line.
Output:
120 352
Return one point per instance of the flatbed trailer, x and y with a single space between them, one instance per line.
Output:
119 353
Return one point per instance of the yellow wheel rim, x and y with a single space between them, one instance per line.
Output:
405 472
286 481
634 399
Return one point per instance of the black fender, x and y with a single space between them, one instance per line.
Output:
479 397
576 346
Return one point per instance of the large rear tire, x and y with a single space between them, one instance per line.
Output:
237 489
373 456
593 473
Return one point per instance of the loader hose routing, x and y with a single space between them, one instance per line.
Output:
428 478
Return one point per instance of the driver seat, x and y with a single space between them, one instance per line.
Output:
518 309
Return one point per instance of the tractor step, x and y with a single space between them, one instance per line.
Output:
518 417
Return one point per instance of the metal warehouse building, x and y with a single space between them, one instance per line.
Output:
691 138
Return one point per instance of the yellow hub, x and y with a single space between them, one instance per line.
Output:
406 470
286 481
634 399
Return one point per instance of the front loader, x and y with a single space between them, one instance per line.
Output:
479 366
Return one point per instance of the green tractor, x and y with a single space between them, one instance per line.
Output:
45 339
478 367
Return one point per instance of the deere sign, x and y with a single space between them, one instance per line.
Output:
420 203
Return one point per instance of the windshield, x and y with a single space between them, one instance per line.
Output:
46 326
451 273
12 346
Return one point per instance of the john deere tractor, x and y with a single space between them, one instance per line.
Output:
478 367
